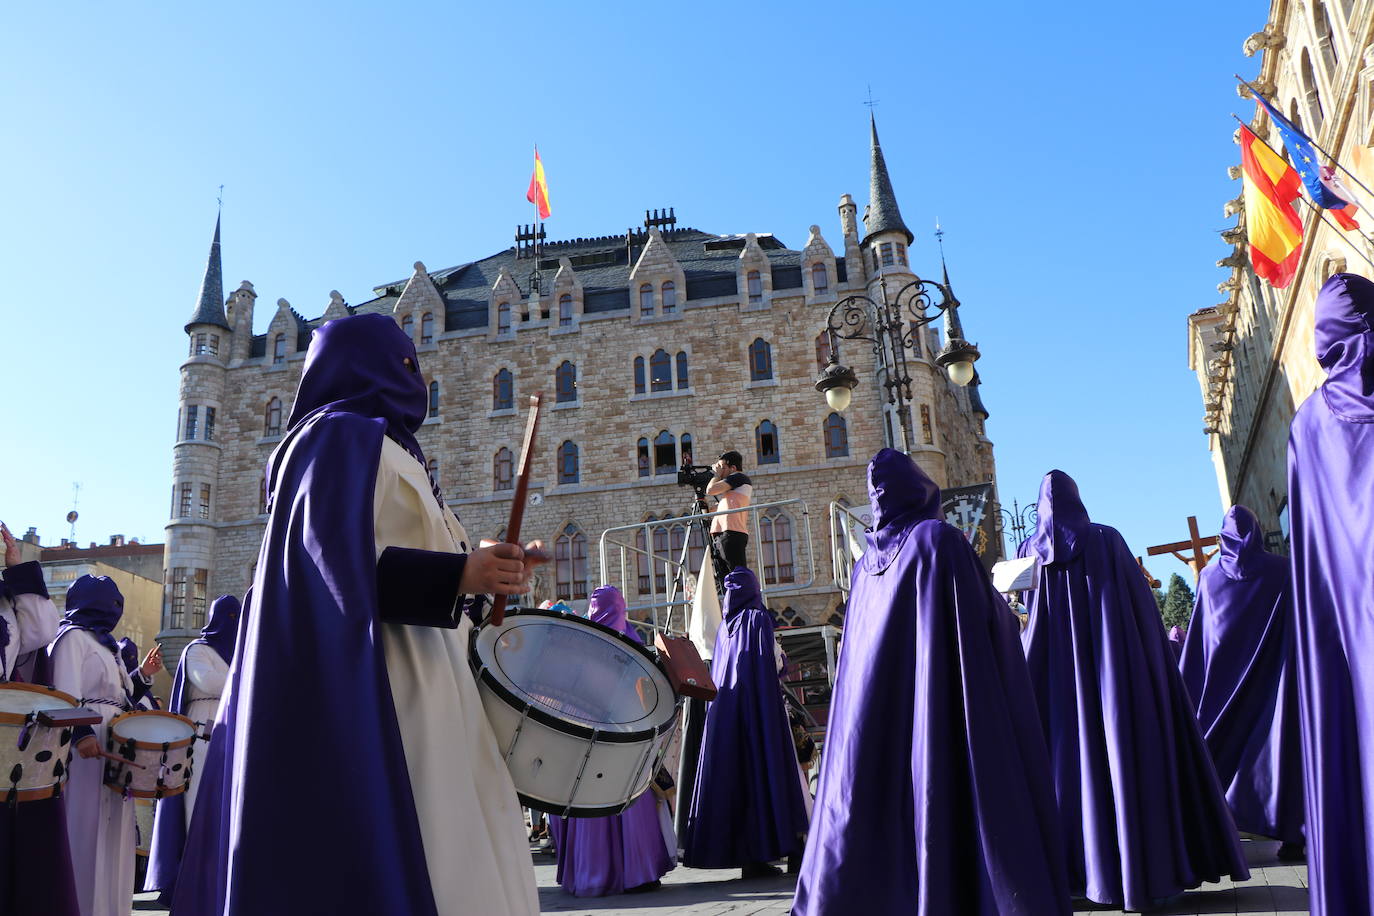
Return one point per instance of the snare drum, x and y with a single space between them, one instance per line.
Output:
159 743
33 757
582 714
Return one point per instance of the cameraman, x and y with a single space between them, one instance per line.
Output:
734 490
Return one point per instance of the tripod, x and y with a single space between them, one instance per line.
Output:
698 507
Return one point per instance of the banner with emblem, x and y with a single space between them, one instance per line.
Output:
973 511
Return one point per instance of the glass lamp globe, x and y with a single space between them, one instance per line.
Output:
961 373
838 397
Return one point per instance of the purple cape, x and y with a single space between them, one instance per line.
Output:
169 824
935 793
747 805
1144 817
1331 504
605 855
1240 670
312 668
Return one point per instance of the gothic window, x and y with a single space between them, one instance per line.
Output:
503 318
789 617
565 311
567 463
427 328
176 598
432 469
665 453
755 283
823 350
192 422
927 431
205 500
565 382
271 420
646 299
408 326
200 585
766 443
1326 39
570 563
503 390
184 510
642 561
669 292
820 279
503 469
686 450
434 399
760 360
642 457
639 375
775 531
901 254
661 371
209 424
836 437
682 376
886 248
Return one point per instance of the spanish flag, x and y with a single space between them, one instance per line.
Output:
1271 219
538 194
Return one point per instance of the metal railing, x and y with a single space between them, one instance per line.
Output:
847 528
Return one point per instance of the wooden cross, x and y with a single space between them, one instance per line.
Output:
1196 544
1154 583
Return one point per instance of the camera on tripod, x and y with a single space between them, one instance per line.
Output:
696 476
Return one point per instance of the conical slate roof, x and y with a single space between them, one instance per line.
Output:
210 308
883 214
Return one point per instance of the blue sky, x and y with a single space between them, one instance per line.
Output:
1075 154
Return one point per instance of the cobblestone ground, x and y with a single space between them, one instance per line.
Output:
1274 889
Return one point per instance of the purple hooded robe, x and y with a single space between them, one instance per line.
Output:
311 662
1240 669
935 794
598 856
1143 814
747 806
1331 504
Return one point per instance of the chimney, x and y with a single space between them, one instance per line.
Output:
116 540
31 536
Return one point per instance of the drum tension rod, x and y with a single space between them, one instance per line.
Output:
572 795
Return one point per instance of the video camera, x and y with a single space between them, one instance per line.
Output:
696 476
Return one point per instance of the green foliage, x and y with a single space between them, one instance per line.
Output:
1159 600
1177 607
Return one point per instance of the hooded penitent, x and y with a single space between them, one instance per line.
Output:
747 804
1331 507
935 793
1143 814
1240 669
606 855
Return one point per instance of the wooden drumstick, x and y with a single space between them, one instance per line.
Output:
118 759
522 486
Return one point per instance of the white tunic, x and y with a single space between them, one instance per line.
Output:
473 830
32 621
100 823
206 674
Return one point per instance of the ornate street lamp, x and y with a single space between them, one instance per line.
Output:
893 326
1020 520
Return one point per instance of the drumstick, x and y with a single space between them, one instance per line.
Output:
118 759
517 506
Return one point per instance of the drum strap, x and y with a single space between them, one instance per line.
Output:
103 701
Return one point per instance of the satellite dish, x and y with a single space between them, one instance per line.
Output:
536 499
71 517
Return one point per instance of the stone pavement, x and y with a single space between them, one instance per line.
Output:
1274 889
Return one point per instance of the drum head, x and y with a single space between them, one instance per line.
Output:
27 698
576 670
154 727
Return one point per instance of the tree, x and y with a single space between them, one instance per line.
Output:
1177 609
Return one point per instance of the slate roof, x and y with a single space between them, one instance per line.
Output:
883 214
210 308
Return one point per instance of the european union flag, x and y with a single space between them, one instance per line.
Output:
1304 157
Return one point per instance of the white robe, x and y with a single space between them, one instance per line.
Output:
206 674
100 823
471 823
32 621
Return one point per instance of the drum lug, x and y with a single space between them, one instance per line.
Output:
572 793
515 738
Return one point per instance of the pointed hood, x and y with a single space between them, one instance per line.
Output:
1062 520
883 214
901 495
1345 344
1242 543
221 631
741 591
607 607
210 307
95 604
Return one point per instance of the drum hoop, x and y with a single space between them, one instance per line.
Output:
38 794
152 745
540 804
16 718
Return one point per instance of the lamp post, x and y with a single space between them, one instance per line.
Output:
1019 519
892 326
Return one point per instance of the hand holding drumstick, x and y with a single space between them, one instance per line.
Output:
501 569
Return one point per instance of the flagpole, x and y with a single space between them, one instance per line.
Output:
1334 161
1320 211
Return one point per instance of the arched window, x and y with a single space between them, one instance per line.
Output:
760 360
836 437
1326 39
755 284
503 469
642 458
775 530
408 326
570 563
686 450
643 565
432 468
820 278
503 318
766 443
669 291
665 453
639 375
502 390
434 399
427 328
1312 97
271 421
646 299
823 349
279 350
683 379
565 310
567 463
661 371
565 382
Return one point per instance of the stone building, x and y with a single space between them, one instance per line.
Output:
649 346
1253 351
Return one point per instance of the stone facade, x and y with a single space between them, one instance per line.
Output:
587 336
1253 352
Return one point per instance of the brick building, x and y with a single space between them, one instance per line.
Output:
649 345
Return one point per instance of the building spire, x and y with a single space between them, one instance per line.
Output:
210 307
883 214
